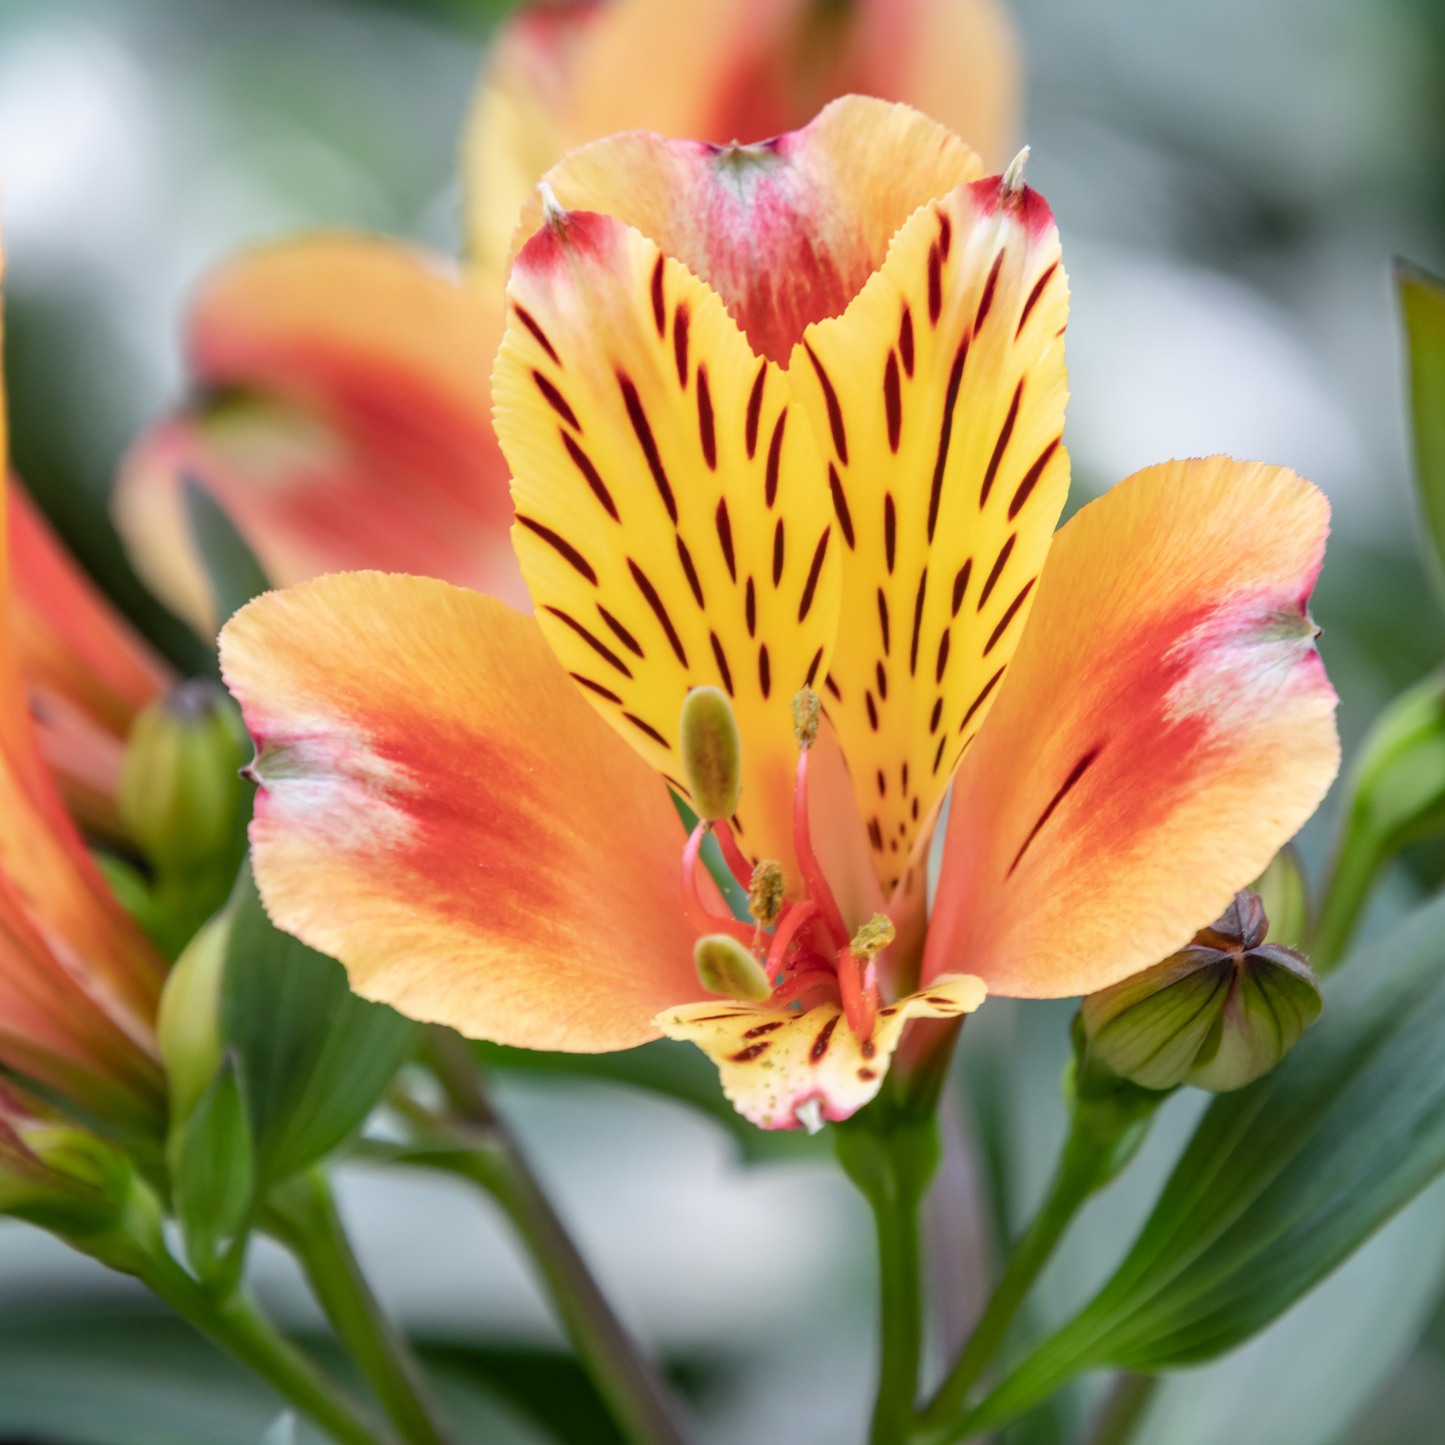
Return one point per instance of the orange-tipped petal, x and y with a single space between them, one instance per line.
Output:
441 811
1166 724
86 670
786 232
938 400
561 75
774 1063
342 421
672 520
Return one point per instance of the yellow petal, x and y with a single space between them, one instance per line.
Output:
1165 726
672 521
774 1062
938 397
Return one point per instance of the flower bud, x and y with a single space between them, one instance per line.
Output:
188 1026
180 789
712 753
724 966
1217 1014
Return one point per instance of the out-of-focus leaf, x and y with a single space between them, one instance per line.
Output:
316 1058
92 1374
235 574
1395 796
1422 300
216 1173
678 1070
1282 1180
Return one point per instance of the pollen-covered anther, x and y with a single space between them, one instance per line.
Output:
712 753
725 967
807 709
873 937
1013 177
765 893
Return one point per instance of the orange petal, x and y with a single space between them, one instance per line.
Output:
343 422
441 811
673 519
87 671
561 75
1166 724
786 232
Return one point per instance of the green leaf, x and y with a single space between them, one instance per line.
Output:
1281 1182
234 573
317 1059
1422 300
677 1070
216 1174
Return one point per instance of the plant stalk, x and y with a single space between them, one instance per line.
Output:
484 1151
239 1327
303 1215
1124 1408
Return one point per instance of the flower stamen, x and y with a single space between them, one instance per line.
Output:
702 917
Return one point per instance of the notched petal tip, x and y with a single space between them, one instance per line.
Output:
1013 178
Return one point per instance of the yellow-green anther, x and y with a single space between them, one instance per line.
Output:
765 892
724 966
712 753
874 936
807 708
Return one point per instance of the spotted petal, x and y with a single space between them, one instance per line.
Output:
774 1062
440 811
672 521
1166 724
341 421
786 231
938 397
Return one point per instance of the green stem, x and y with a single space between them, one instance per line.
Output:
303 1215
890 1151
1077 1177
238 1326
1352 877
636 1396
1124 1408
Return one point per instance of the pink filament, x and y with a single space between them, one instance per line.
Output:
702 917
739 866
818 889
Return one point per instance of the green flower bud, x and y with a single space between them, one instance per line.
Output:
724 966
180 785
188 1027
1217 1014
712 753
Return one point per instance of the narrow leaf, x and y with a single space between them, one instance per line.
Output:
216 1173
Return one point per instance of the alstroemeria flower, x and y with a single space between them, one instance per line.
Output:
79 984
340 419
565 72
340 410
782 418
86 670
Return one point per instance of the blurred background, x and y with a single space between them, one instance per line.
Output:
1231 179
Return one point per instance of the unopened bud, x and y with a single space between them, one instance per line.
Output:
188 1027
765 893
1217 1014
874 936
180 790
724 966
807 708
712 753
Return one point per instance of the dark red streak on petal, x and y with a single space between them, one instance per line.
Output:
595 686
1000 562
835 412
596 644
840 505
643 428
562 545
679 344
620 632
651 731
1005 432
1030 480
978 702
775 453
583 463
935 285
755 412
989 286
813 668
883 619
705 429
765 671
659 307
1008 616
722 663
1034 296
685 557
893 401
905 341
778 552
890 530
945 434
725 535
917 623
1079 769
814 572
655 602
556 401
538 335
960 584
750 609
